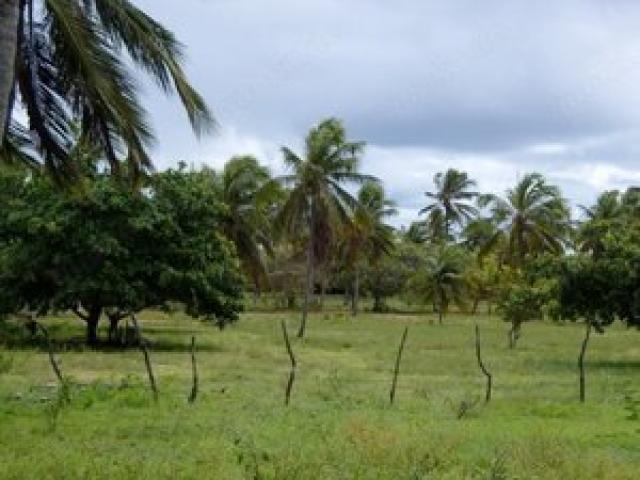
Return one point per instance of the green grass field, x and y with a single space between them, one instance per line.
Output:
339 424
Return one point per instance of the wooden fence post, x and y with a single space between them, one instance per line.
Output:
292 358
392 393
147 360
194 371
482 367
52 358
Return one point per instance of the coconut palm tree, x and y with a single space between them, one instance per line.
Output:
611 210
531 219
451 202
443 279
318 202
367 238
250 196
9 14
65 61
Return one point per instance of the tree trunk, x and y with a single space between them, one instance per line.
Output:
92 331
256 295
308 292
583 351
113 328
92 319
356 292
514 333
9 14
378 303
474 308
323 290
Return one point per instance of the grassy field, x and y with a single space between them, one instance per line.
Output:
339 423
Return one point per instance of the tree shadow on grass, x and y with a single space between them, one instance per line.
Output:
79 344
614 364
622 364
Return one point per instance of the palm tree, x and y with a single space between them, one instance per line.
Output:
318 202
451 204
477 233
609 211
9 13
250 197
531 219
367 238
70 67
443 279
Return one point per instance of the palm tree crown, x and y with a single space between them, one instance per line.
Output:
72 67
443 278
532 218
250 195
450 204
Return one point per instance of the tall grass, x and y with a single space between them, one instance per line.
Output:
339 423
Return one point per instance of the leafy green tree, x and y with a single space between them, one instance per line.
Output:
317 202
67 62
600 289
366 238
531 219
484 278
103 249
451 202
604 288
250 197
389 276
522 300
442 280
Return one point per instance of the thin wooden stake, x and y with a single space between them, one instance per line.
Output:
145 353
392 393
482 367
292 372
52 358
583 351
194 370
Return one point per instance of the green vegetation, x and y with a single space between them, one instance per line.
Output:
105 250
339 423
68 63
88 228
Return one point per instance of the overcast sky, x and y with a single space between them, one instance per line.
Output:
496 88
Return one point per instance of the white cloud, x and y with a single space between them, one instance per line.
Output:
600 176
495 88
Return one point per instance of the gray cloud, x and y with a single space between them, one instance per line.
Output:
498 88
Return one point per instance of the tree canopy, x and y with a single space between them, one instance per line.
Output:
73 67
105 249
